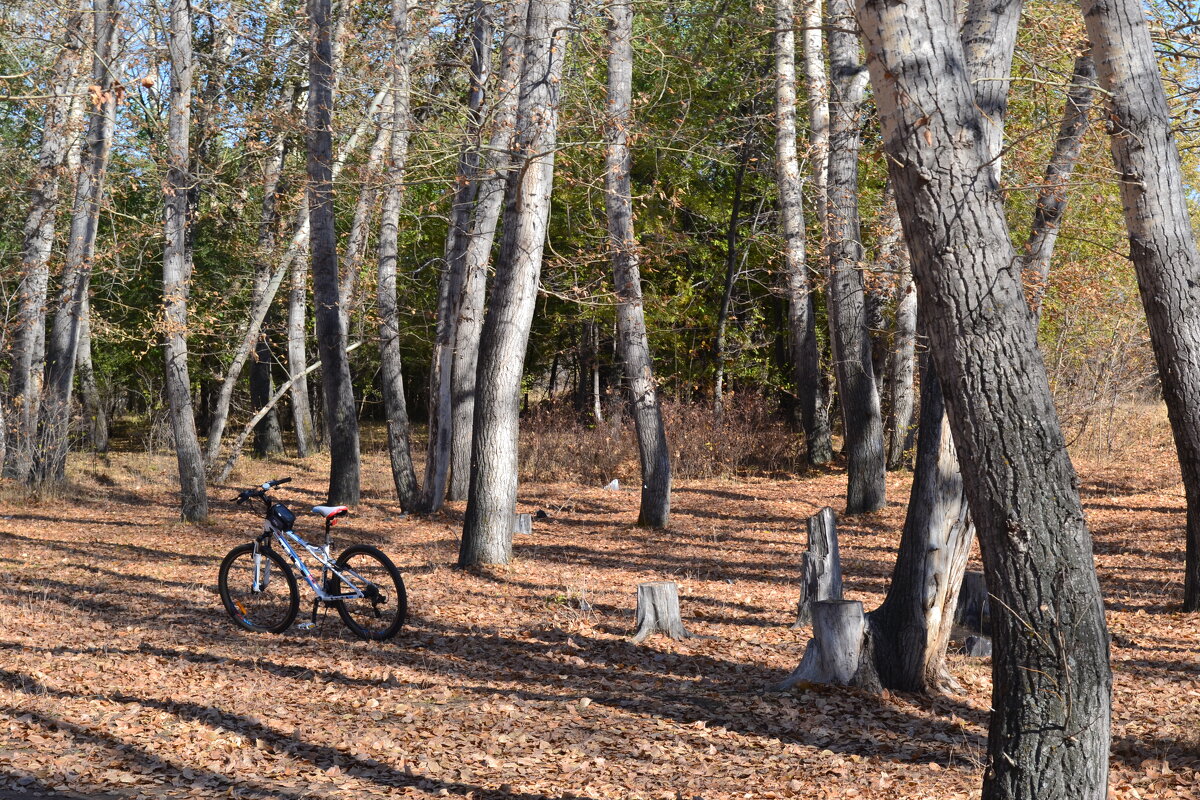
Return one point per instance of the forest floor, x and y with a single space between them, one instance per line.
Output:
121 676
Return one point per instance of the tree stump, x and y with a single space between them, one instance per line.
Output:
820 566
973 610
658 611
978 646
522 523
835 654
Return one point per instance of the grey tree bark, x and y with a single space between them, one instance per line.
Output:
62 345
816 83
450 287
493 177
1049 730
399 452
89 389
25 378
1161 240
820 566
804 350
297 334
632 342
487 529
901 365
177 266
340 412
1052 197
861 415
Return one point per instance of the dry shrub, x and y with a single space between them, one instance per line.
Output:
558 444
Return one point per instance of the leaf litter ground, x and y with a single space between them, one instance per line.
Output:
120 675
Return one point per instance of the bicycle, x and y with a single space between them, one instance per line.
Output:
260 592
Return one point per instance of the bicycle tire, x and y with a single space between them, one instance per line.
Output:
365 616
265 611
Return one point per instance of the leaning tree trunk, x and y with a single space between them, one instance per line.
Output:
441 386
177 267
61 347
493 179
861 415
632 342
25 379
340 412
399 448
911 635
816 85
487 529
1052 197
1050 725
804 350
1162 242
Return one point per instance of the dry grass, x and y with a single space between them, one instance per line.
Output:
119 673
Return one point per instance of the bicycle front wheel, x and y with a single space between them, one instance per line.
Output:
380 612
259 592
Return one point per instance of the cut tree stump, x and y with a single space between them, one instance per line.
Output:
658 611
836 653
820 566
978 646
973 610
522 523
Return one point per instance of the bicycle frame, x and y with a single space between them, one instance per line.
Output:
321 554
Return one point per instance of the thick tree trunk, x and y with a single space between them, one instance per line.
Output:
399 447
861 415
177 267
25 379
493 178
1052 198
61 347
820 566
803 348
450 287
632 342
720 347
89 391
340 412
658 611
1162 242
835 652
487 534
1050 726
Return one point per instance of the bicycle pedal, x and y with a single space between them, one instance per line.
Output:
306 625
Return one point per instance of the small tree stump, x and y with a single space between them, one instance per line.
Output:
522 523
835 653
973 610
658 611
820 566
978 646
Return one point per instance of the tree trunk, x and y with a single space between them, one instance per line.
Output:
1162 242
816 84
88 389
1049 731
177 267
399 448
804 352
360 224
450 287
487 534
632 341
340 412
297 333
902 359
268 438
50 461
493 178
25 379
861 416
974 609
835 652
731 243
1052 198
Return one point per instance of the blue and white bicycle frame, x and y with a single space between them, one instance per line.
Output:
289 542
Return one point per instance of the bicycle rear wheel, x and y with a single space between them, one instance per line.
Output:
379 614
265 599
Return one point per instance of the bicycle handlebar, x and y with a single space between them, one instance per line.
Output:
246 494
